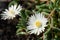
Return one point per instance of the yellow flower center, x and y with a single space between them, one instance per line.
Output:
38 23
11 11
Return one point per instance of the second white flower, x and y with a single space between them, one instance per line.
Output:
37 24
11 12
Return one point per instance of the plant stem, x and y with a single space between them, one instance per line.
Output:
51 14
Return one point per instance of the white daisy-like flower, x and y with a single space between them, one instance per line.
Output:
11 12
37 24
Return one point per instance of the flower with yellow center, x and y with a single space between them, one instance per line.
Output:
36 23
11 12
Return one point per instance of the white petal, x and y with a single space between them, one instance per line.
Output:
15 6
31 27
34 31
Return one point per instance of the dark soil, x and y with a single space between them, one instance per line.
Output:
8 27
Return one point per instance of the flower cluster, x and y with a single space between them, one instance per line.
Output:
36 23
34 19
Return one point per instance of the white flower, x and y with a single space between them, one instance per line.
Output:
37 24
11 12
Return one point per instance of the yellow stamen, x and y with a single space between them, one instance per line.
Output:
11 11
38 23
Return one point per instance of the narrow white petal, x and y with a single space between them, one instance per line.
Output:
15 6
